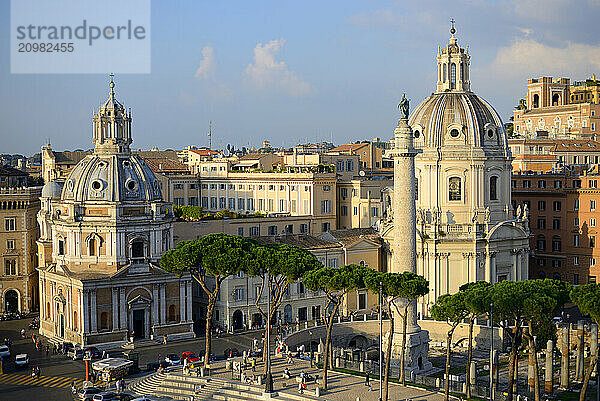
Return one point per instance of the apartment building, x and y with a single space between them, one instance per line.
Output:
546 154
360 202
563 221
18 249
300 191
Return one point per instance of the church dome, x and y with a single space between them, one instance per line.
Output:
112 173
455 118
111 178
51 190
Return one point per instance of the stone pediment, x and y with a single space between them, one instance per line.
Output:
148 269
140 300
60 298
363 243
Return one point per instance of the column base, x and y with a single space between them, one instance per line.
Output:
416 358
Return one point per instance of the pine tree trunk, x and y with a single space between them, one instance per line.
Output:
207 332
389 354
511 365
533 358
447 379
402 351
469 357
587 377
328 343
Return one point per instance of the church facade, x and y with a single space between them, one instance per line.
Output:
102 233
467 229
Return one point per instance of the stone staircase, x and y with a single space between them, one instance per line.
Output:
180 387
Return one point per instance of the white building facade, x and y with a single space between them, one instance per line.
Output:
466 228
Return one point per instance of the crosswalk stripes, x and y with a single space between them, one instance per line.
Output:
43 381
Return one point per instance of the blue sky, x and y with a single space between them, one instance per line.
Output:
296 71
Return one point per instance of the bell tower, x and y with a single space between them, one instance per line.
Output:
112 126
453 66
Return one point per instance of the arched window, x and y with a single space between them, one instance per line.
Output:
453 76
493 188
556 244
444 72
75 321
541 275
137 249
556 276
172 316
61 246
462 71
541 243
536 101
104 321
92 247
555 99
454 189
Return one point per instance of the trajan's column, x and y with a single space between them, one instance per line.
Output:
404 245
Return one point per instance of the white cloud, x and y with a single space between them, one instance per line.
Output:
207 65
267 73
531 58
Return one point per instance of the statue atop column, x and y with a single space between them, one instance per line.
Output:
404 106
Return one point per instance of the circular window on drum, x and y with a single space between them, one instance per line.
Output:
417 133
454 133
126 164
490 133
97 185
131 185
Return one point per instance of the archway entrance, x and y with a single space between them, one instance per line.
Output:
257 320
556 99
238 320
11 301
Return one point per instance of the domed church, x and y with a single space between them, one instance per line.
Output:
103 232
467 229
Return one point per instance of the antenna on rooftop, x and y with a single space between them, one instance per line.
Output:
210 135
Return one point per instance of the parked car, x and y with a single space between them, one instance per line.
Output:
75 353
190 356
4 351
173 359
232 352
106 396
21 361
153 366
93 351
87 394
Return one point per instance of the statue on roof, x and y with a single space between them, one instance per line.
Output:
404 106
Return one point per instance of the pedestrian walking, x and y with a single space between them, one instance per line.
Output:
118 386
47 350
368 381
38 372
289 358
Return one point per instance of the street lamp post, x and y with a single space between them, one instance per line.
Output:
491 351
381 341
269 377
